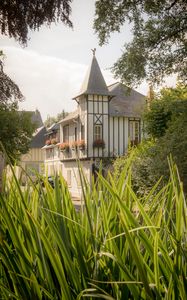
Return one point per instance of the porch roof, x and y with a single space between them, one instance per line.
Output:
70 116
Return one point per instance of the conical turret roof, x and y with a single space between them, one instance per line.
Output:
94 82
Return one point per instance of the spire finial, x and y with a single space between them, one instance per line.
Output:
93 50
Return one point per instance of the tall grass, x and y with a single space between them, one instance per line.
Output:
118 246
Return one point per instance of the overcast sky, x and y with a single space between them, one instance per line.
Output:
50 70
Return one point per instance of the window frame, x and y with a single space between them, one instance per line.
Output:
82 132
98 135
134 132
66 134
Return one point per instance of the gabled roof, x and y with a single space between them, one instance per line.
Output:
94 82
36 118
38 139
126 102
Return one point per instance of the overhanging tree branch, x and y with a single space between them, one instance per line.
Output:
18 17
157 26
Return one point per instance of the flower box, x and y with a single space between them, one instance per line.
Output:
64 147
74 145
54 141
99 143
81 144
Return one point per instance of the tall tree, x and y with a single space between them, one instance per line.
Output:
16 128
9 91
167 105
19 16
159 44
16 19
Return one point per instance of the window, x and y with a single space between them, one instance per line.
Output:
82 132
98 132
75 133
134 132
66 133
69 177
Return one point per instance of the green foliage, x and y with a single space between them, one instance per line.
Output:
159 45
117 247
10 92
143 175
168 105
18 17
51 120
16 130
166 122
174 143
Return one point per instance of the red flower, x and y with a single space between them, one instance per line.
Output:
64 146
54 141
81 144
74 144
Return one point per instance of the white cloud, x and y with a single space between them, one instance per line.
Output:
48 83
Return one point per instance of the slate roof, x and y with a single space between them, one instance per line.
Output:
126 102
38 139
53 128
35 117
94 82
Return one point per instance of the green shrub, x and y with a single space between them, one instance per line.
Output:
117 246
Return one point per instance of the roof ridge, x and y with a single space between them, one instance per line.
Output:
113 83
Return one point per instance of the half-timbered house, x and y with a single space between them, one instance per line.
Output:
106 120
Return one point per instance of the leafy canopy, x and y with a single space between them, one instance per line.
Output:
18 17
10 92
166 123
16 128
51 120
168 105
159 44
